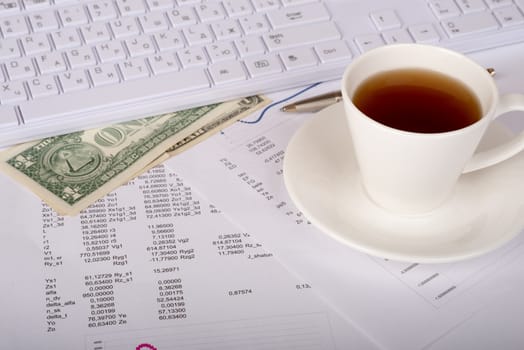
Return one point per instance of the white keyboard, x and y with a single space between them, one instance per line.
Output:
68 65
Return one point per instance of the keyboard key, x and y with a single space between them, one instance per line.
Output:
169 40
197 34
333 51
134 68
80 57
42 86
12 92
250 46
182 16
208 11
109 97
192 57
139 46
298 58
298 15
468 24
9 48
36 4
263 5
104 74
424 33
368 42
493 4
73 81
153 22
124 27
95 33
13 26
72 15
238 7
66 38
20 68
43 21
509 16
110 51
9 7
227 72
220 51
397 36
226 29
101 10
8 116
444 8
253 24
35 43
301 35
386 19
130 7
260 66
163 63
50 62
468 6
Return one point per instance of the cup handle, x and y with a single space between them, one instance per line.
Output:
507 103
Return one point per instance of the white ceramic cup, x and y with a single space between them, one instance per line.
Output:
413 173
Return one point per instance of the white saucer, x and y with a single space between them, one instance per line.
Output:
485 211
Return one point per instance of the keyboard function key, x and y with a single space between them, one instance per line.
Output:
36 4
509 16
300 57
298 15
367 42
8 115
444 8
470 23
333 51
301 35
265 65
386 19
227 72
397 36
424 33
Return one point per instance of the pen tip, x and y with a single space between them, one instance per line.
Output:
287 108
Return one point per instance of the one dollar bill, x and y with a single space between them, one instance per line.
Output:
69 172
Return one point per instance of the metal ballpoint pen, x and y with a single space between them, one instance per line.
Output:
313 104
318 102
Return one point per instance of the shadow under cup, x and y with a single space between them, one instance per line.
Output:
409 172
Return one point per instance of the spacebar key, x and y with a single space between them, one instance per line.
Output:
112 96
